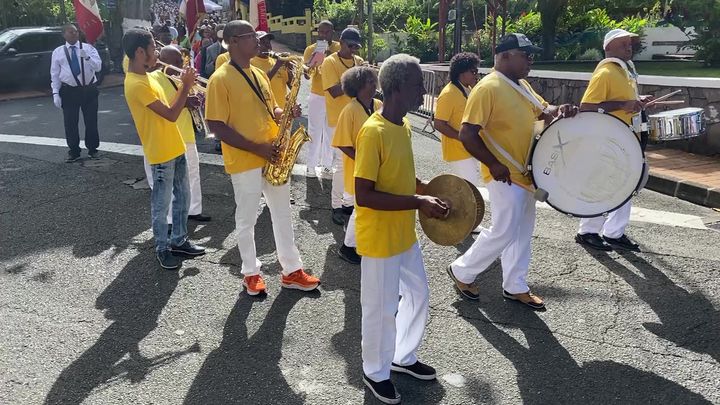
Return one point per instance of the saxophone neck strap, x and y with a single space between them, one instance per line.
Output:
254 86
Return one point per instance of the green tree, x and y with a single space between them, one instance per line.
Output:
550 12
704 16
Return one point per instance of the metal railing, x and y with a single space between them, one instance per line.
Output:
427 109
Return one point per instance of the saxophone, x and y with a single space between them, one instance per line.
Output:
287 142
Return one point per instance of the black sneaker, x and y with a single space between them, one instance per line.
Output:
72 157
200 218
168 261
418 370
349 254
384 391
593 240
338 216
93 154
622 242
187 249
348 209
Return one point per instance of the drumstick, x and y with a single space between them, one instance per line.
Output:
669 102
538 193
661 98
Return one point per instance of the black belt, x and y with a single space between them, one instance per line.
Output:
93 83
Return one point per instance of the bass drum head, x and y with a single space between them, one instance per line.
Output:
590 164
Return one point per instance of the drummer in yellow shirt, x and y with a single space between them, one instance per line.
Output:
502 110
449 111
388 194
360 83
319 151
613 89
163 147
276 69
335 100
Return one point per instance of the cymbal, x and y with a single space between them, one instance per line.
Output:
467 209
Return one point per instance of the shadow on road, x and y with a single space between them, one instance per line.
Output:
547 373
134 301
687 319
246 369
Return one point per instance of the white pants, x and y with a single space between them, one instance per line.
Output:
513 221
248 187
320 151
338 196
612 227
193 166
350 228
392 331
468 169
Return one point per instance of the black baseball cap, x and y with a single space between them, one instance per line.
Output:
516 41
351 36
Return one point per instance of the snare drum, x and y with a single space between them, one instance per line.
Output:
589 165
676 124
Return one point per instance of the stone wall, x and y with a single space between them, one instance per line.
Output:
294 41
568 87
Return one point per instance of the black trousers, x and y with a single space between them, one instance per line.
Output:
74 99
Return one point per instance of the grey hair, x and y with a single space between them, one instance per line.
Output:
356 78
394 72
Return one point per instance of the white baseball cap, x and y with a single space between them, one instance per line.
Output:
615 34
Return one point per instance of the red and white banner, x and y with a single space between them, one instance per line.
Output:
258 15
88 19
193 10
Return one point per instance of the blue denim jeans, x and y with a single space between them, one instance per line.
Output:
170 183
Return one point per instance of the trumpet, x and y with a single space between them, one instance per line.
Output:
200 85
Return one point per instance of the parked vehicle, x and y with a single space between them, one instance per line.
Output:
26 52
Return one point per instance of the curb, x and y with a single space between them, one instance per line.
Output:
24 95
684 190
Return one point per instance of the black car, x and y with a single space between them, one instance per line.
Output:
26 52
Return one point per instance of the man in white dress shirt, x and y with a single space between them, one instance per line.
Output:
74 87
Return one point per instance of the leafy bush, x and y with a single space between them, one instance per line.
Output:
341 14
422 38
704 15
528 24
392 15
591 54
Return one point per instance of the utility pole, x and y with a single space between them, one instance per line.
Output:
442 27
458 27
370 31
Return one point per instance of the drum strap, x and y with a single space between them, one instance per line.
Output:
505 153
628 67
524 91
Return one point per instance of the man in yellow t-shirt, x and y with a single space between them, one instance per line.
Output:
163 147
613 89
319 151
222 59
276 70
501 113
387 194
241 110
449 111
335 100
171 55
360 83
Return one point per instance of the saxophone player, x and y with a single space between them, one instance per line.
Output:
241 110
276 69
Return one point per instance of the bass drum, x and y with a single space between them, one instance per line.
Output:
589 165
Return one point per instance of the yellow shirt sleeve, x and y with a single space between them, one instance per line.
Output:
479 106
308 53
329 74
344 130
144 93
445 106
217 101
222 59
598 88
367 157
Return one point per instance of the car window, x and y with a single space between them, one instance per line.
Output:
53 40
29 43
6 37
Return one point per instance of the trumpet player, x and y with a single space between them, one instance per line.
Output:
163 146
278 73
168 80
241 110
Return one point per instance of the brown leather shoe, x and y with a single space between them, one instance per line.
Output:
528 298
467 290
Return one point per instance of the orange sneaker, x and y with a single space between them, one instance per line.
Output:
254 285
300 280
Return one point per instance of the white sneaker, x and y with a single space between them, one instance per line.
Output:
310 172
326 173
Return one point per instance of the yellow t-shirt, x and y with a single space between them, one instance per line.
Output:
384 155
610 82
352 118
184 122
231 100
160 138
279 82
126 64
316 84
506 114
222 59
333 67
450 107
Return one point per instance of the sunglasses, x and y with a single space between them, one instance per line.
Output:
354 46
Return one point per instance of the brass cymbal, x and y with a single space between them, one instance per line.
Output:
467 209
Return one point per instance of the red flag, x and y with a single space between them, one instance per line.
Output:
194 10
258 15
88 19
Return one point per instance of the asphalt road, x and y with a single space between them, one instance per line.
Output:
88 317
